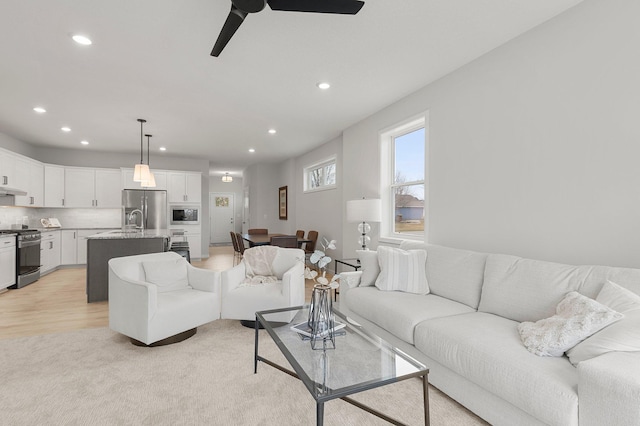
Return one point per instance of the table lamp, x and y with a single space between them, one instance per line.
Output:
364 211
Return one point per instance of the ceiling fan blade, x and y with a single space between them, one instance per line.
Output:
346 7
235 18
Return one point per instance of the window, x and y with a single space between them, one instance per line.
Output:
403 171
320 176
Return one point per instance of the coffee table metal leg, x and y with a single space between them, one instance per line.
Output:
319 413
255 355
425 395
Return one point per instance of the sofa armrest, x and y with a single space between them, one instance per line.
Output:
231 278
609 389
204 279
128 298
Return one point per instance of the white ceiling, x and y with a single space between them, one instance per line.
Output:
150 59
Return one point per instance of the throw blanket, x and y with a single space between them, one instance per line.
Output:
258 261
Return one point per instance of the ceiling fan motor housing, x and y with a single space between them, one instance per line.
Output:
250 6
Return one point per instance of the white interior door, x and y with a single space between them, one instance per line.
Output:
221 211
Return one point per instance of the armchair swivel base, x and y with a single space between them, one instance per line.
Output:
176 338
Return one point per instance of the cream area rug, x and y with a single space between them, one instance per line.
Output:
96 377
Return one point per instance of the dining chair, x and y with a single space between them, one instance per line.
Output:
287 241
310 247
236 247
255 231
241 245
300 233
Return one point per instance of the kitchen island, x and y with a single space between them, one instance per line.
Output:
107 245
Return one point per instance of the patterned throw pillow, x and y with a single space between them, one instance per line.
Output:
577 317
402 270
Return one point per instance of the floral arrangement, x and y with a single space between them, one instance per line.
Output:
321 260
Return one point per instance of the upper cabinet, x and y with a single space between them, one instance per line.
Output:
184 187
7 169
53 185
86 187
29 176
128 183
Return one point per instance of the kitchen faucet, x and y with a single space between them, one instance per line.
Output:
141 218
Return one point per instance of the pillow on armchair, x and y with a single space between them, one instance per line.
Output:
167 275
402 270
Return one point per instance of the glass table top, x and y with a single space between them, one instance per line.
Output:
361 360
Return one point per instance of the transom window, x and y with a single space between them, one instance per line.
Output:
403 154
320 176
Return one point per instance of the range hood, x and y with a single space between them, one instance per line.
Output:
4 191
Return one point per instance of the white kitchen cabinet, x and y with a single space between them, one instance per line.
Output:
49 251
7 169
128 183
184 187
7 261
29 177
53 185
191 234
68 247
86 187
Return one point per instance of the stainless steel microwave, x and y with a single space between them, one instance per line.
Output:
185 215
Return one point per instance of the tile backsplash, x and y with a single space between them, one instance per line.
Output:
69 218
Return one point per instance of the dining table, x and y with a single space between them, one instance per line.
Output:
265 239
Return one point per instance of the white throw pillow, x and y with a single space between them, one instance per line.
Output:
370 268
402 270
577 317
623 335
167 275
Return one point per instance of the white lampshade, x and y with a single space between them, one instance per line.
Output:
141 173
151 183
364 210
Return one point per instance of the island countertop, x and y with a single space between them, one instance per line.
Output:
120 235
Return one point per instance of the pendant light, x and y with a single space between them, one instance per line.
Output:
141 171
151 183
226 178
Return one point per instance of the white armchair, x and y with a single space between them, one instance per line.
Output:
160 298
241 301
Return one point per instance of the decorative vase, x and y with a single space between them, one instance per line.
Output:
321 318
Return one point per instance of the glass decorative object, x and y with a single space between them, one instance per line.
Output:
321 319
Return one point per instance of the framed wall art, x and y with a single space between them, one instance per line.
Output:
282 202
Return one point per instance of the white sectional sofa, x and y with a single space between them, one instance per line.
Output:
465 330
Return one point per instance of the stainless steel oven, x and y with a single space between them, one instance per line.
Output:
185 215
27 257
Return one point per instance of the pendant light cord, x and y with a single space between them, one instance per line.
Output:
142 121
148 152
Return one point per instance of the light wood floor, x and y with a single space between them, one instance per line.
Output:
57 302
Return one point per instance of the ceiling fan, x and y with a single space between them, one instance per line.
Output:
241 8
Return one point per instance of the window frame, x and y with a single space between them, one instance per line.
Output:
320 164
387 137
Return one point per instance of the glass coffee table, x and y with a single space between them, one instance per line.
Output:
361 361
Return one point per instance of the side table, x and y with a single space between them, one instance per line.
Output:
354 262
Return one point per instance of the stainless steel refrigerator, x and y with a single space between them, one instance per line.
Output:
152 205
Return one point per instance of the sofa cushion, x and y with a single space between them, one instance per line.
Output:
529 290
456 274
370 268
623 335
399 312
167 275
486 349
577 317
402 270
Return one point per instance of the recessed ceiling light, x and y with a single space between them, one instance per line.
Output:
84 142
65 129
272 131
252 150
80 39
162 148
323 85
40 110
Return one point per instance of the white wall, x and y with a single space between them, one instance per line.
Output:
534 147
